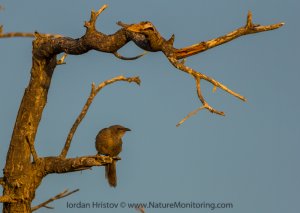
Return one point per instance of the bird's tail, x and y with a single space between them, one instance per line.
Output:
111 173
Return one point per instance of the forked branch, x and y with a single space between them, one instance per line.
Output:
198 76
147 37
90 25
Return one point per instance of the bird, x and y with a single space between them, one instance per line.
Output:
109 143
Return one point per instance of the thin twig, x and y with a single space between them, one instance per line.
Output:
101 10
94 15
129 58
62 59
189 115
56 197
121 24
93 93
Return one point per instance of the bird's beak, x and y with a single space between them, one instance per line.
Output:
127 129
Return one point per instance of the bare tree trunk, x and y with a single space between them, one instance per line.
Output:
22 177
24 169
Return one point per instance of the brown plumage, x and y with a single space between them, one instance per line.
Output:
109 142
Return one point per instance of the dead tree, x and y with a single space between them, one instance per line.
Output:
25 169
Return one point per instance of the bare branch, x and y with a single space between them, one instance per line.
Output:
56 197
94 15
205 104
7 199
24 34
93 93
249 28
92 40
129 58
199 75
189 115
147 37
121 24
66 165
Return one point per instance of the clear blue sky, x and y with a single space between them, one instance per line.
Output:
250 157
